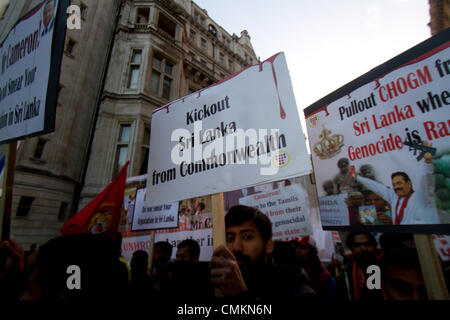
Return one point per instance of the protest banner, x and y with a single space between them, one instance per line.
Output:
152 218
323 239
442 245
242 131
31 58
287 210
194 222
384 141
132 244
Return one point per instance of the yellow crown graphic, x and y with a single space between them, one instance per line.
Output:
330 145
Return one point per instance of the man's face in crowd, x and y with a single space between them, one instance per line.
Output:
400 186
363 250
377 201
367 172
404 284
48 12
247 245
328 187
159 257
343 165
303 252
184 254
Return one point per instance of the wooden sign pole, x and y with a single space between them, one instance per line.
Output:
431 267
218 222
7 191
218 219
150 250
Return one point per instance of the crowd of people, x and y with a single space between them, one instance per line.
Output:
250 265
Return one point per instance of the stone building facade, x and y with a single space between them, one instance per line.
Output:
128 58
49 168
439 15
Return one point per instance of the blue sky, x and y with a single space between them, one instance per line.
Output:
327 43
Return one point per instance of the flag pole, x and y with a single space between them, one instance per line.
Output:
7 191
431 267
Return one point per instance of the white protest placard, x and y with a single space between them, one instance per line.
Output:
442 245
384 139
152 218
240 132
287 210
132 244
26 107
333 210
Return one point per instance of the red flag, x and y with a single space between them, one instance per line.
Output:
102 214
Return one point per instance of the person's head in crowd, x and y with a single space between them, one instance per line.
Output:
402 276
372 198
306 249
392 241
89 260
139 263
401 184
328 187
343 165
188 250
356 199
248 235
284 253
49 9
162 252
364 248
200 207
367 171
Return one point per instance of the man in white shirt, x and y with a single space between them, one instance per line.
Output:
409 206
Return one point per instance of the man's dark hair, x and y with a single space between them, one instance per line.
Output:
165 247
401 173
406 258
239 214
351 239
103 276
194 248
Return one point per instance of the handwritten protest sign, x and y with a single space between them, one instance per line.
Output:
152 218
240 132
287 210
30 62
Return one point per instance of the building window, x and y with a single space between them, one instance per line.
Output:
133 77
142 15
70 46
212 30
162 77
221 57
192 35
24 206
122 147
167 25
230 64
145 148
83 11
39 148
203 44
63 210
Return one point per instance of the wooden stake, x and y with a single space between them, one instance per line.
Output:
7 190
150 250
218 219
431 268
218 222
